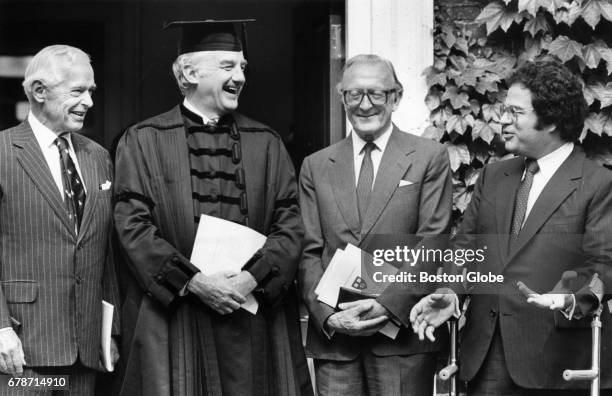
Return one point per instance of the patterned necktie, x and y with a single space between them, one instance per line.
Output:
366 178
522 195
74 192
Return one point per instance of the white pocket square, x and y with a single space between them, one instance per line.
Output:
105 186
405 183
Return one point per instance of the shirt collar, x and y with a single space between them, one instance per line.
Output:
45 136
380 142
192 108
549 163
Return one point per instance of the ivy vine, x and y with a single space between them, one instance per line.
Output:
472 60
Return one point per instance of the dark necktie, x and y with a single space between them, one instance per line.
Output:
74 192
366 178
522 195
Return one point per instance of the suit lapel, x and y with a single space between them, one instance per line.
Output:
505 195
393 166
342 175
31 159
559 187
90 178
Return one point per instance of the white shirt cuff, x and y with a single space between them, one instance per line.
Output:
457 313
569 311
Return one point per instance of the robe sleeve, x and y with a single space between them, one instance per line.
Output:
275 264
159 267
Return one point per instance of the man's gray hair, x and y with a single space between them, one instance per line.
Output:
178 68
44 66
370 59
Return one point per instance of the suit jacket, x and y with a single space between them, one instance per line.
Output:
53 281
329 211
568 229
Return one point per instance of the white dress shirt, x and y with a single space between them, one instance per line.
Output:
192 108
46 141
358 153
548 166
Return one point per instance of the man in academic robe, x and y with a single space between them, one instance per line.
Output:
185 331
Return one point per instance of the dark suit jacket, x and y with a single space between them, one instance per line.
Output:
53 281
568 229
329 210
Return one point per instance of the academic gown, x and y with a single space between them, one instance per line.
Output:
176 345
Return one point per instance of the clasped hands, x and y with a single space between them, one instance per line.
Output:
358 318
223 291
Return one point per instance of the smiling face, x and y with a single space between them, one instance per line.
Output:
219 76
65 104
522 136
368 120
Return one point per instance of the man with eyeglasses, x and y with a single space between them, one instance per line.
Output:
545 217
378 181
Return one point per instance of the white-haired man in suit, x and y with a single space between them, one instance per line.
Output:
55 222
379 181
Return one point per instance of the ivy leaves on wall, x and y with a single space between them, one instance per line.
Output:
472 60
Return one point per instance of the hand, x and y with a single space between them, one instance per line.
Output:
552 301
375 311
244 283
12 358
431 312
350 320
114 350
216 291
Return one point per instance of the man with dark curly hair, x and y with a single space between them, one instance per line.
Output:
544 218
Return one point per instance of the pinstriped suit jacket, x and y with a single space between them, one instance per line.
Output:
53 281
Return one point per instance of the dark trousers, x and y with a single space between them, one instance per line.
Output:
81 381
494 378
371 375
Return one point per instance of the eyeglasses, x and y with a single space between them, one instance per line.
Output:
354 97
510 114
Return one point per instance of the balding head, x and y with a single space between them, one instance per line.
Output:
372 60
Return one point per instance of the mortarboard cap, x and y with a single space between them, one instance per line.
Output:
211 35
